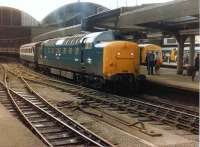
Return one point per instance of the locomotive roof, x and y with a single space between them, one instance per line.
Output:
78 38
98 37
102 44
63 40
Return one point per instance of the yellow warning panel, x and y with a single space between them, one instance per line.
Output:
120 57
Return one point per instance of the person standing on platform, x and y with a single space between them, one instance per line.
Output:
196 66
150 62
157 63
146 60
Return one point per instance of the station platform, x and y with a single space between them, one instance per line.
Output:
169 65
14 133
169 78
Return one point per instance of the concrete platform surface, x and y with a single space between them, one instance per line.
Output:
168 77
14 134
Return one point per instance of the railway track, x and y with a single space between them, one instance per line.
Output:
145 111
6 101
147 98
52 126
163 112
165 103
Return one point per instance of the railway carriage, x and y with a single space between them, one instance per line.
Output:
95 58
28 53
170 53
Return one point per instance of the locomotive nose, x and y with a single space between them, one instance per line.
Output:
120 58
125 59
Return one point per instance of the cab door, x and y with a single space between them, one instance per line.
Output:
88 57
82 56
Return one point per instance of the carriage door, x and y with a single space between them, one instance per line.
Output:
35 57
40 54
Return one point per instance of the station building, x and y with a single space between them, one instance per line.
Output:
18 27
67 19
15 28
72 14
182 23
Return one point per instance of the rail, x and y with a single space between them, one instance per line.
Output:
51 125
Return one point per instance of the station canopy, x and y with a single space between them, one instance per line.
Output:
14 17
178 16
72 14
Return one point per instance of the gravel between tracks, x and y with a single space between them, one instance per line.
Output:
111 130
117 135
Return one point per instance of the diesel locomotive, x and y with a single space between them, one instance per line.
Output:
96 58
146 48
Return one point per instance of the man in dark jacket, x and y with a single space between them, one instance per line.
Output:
150 63
196 66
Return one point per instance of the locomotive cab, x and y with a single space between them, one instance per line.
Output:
120 58
120 64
